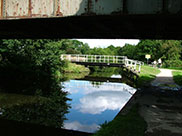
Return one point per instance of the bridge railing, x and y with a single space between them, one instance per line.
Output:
132 64
93 58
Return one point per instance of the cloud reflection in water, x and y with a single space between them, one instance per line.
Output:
93 105
75 125
97 102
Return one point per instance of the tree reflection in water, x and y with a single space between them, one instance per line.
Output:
48 111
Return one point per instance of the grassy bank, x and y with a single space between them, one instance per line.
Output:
131 124
177 76
74 68
147 75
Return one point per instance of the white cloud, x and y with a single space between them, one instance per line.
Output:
106 42
74 86
98 102
95 100
81 127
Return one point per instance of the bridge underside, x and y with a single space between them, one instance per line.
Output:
100 64
102 79
111 26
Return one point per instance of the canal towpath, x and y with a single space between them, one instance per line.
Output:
160 105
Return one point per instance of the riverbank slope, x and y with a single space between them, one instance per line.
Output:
74 68
160 105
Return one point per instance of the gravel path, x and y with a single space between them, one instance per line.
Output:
164 77
161 106
165 80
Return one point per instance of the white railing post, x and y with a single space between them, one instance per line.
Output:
139 68
135 65
77 58
126 62
61 57
91 58
69 57
86 58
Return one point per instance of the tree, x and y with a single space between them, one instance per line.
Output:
171 49
28 64
128 50
151 47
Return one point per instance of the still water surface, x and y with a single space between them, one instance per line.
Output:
94 103
94 100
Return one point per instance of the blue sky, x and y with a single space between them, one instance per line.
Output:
106 42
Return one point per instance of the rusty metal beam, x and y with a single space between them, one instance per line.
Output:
91 19
30 8
64 8
1 10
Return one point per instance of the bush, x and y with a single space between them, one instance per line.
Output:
74 68
172 63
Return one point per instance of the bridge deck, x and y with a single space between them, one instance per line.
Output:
99 64
104 60
114 26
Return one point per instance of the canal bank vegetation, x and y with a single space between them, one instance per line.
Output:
32 68
177 76
97 71
131 124
74 68
29 65
147 75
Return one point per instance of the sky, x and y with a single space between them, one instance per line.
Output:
106 42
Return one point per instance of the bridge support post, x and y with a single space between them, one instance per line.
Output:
100 60
91 58
139 68
135 65
86 60
77 58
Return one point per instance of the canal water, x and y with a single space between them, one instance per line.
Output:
94 102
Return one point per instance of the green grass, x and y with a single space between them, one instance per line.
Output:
131 124
177 76
147 75
74 68
174 68
8 100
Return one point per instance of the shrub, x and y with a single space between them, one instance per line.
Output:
172 63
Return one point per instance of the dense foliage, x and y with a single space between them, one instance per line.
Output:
169 51
37 62
177 76
29 63
32 67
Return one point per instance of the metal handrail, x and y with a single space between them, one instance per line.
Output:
103 59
